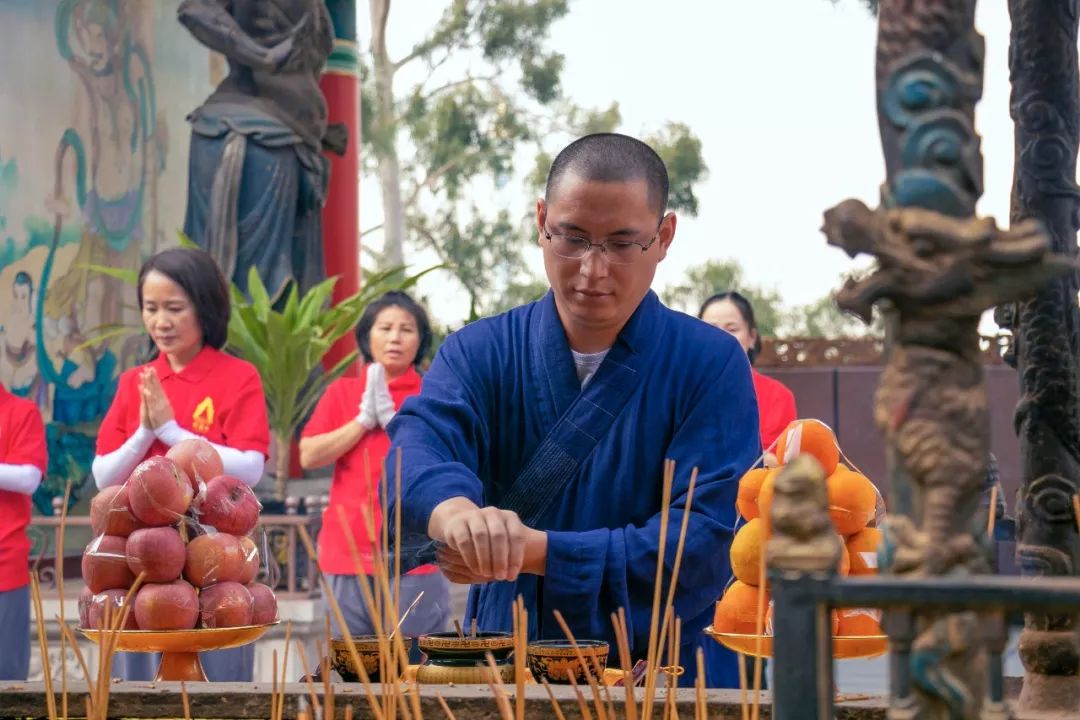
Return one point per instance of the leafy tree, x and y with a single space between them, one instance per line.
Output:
823 319
715 276
490 94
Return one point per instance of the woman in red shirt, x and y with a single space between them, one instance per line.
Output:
732 312
190 389
23 460
348 429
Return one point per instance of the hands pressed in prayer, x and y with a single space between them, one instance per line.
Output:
380 394
368 417
156 409
485 544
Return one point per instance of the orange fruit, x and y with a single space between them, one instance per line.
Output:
833 616
852 500
863 547
736 611
845 559
764 499
859 621
749 486
746 553
812 437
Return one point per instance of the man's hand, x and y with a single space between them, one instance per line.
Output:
485 544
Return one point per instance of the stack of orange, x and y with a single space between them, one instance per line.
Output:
852 506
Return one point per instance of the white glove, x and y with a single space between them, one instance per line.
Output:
384 404
367 417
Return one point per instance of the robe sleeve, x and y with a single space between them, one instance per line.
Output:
442 436
590 574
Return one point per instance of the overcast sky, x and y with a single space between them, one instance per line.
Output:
780 92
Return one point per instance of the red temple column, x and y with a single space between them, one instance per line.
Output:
340 84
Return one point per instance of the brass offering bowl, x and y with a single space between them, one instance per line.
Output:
367 647
556 660
453 659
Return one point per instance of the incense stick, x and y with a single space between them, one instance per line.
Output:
305 538
701 707
184 699
521 631
43 642
60 592
992 514
445 707
409 610
583 705
742 687
273 686
66 631
496 685
600 711
315 704
681 544
460 632
759 623
650 672
284 670
555 703
618 620
1076 510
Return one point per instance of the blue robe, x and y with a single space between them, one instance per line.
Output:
496 388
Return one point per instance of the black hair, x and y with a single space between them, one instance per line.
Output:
202 281
745 309
394 298
611 157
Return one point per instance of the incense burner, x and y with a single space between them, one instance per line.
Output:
455 659
556 660
367 647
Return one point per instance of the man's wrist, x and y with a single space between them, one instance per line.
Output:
444 511
535 562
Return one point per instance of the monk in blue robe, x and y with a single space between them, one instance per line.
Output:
533 458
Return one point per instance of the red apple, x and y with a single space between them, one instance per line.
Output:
213 559
197 459
95 617
110 513
159 492
227 604
157 551
251 560
104 564
229 506
265 604
167 606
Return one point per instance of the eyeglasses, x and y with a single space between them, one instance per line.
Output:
617 252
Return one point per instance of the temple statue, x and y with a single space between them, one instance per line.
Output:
258 178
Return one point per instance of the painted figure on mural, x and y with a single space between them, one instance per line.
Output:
258 178
18 365
106 163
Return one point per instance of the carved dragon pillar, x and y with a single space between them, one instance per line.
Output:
938 269
1045 107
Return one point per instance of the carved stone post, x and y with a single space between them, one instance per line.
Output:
1045 107
938 269
802 553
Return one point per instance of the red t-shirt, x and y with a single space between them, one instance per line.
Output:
350 488
217 396
22 442
776 407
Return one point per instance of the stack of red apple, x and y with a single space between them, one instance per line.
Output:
185 524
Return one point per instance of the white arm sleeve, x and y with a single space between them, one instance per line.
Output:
244 464
114 468
22 479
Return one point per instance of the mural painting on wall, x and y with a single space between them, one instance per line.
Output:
87 177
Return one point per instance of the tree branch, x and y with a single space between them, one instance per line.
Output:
371 229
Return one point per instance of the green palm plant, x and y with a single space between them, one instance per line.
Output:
285 339
286 342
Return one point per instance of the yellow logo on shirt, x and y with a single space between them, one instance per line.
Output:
203 417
